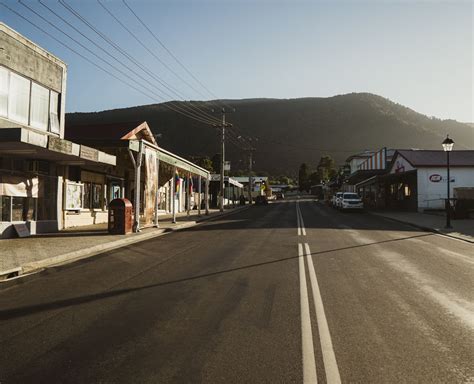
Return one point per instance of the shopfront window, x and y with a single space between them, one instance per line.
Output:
87 195
97 194
93 196
28 198
5 208
23 209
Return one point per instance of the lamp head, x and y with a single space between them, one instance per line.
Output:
448 144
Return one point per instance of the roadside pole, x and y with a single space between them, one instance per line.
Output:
221 205
157 195
138 167
188 194
206 194
199 195
250 175
173 197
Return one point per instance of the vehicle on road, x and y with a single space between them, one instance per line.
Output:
280 195
261 200
351 200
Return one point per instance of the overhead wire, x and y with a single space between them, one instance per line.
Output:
176 106
133 60
145 47
94 63
158 40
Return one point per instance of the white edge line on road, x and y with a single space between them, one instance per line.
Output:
329 358
309 363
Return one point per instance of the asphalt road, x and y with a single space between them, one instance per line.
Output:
284 293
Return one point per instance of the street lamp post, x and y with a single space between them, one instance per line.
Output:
448 147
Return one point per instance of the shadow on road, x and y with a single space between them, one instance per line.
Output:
8 314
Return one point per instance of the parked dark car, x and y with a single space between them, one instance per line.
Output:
280 195
261 200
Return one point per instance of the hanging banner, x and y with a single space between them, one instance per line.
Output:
151 184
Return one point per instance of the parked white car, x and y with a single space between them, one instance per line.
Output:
336 199
351 200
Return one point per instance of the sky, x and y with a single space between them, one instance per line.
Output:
416 53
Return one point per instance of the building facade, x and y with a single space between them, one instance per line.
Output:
34 156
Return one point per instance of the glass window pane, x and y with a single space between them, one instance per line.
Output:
3 92
23 208
97 196
87 195
54 112
5 208
39 107
19 98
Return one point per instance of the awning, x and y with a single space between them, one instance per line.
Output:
25 142
362 175
170 158
227 179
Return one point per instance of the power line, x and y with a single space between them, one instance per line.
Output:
202 114
173 55
108 40
94 63
177 106
144 46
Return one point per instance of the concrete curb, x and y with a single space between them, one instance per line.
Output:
424 228
69 257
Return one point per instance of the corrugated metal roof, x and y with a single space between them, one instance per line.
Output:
429 158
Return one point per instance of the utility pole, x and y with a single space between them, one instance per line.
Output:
250 175
223 126
221 205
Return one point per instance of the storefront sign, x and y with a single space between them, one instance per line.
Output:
436 178
400 165
59 145
89 153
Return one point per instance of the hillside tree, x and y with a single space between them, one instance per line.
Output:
303 177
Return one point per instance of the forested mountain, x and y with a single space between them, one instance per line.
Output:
288 132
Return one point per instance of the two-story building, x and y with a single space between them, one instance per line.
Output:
34 156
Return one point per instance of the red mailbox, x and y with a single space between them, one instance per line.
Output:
120 217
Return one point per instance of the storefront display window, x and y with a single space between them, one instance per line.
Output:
87 195
23 209
97 193
5 208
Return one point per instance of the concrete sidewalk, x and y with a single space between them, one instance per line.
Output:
21 256
462 229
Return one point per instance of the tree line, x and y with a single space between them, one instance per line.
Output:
325 171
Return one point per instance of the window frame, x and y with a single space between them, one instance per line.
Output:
53 124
